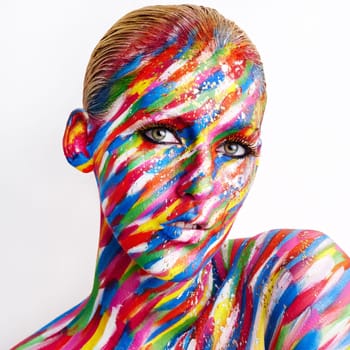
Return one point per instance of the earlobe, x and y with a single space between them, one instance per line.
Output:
75 141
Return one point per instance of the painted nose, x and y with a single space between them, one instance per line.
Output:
197 178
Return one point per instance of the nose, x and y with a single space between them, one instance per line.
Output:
197 178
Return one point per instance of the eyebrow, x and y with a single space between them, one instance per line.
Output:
176 122
184 119
251 137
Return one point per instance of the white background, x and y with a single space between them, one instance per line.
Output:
49 211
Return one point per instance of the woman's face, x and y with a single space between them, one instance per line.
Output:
176 158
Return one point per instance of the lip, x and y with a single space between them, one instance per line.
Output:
188 225
190 232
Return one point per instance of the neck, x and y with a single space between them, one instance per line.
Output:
135 304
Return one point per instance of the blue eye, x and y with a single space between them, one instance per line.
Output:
233 149
161 135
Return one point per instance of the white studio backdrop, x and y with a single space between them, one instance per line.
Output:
49 211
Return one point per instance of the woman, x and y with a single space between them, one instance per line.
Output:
173 103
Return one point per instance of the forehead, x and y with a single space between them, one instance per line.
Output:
190 83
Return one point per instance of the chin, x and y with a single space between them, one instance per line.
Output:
176 266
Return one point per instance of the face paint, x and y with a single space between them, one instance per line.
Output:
174 157
177 154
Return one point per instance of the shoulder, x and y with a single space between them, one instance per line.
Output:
303 255
311 296
300 284
283 246
299 251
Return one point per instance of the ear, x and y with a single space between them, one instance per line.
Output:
75 141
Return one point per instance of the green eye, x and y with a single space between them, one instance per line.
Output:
233 149
161 135
158 134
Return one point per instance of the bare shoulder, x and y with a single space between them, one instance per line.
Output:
298 285
285 245
304 253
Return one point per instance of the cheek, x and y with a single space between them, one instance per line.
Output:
132 183
234 179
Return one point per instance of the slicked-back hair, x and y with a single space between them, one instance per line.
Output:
138 36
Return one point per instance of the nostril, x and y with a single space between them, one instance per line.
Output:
198 187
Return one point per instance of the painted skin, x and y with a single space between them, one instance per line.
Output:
188 170
174 160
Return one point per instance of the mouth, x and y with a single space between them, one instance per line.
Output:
186 232
188 226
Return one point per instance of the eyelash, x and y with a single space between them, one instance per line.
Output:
252 149
149 126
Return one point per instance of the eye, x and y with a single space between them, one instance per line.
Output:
161 135
233 149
